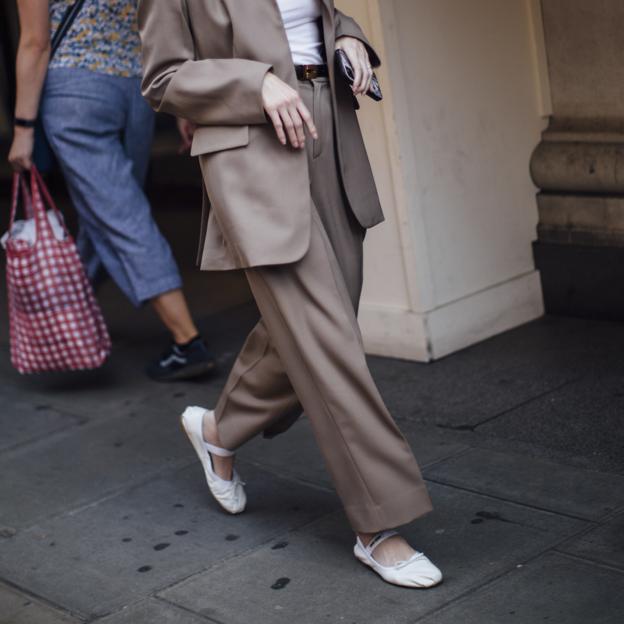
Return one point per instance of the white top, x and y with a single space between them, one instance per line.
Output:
302 23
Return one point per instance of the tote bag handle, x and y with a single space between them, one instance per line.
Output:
20 188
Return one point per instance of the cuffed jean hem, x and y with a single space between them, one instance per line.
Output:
156 289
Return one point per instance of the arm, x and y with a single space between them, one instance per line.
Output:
221 91
347 27
33 55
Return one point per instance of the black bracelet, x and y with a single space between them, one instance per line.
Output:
25 123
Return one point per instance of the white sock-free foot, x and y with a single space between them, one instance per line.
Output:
390 556
222 459
229 493
390 550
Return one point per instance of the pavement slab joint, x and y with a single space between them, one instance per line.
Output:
530 488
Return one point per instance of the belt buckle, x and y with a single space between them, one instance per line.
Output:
309 72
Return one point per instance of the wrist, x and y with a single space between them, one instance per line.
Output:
23 131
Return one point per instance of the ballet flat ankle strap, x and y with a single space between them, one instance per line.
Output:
216 450
380 537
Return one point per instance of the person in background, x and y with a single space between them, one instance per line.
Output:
100 129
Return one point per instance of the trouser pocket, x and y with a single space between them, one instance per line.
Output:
319 122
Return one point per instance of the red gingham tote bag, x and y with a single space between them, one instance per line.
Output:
55 321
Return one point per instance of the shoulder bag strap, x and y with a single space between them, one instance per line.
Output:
66 23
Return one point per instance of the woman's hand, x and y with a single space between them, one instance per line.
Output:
358 56
20 154
286 111
186 129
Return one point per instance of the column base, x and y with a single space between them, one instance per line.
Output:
582 280
403 334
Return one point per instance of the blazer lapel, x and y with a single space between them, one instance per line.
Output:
329 34
328 7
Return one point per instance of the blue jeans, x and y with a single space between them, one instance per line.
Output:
100 129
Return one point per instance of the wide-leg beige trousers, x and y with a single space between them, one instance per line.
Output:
306 352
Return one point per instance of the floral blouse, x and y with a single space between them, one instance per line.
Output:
104 37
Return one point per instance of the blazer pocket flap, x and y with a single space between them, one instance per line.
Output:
208 139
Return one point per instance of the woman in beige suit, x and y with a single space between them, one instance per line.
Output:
289 195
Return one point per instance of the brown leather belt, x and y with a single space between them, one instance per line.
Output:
310 72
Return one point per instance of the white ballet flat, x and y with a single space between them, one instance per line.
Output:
229 494
417 571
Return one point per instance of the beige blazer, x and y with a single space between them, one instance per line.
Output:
205 60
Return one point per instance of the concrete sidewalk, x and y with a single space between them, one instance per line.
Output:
104 515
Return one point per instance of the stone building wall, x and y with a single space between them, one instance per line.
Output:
579 165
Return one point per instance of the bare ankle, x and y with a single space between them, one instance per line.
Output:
210 431
365 538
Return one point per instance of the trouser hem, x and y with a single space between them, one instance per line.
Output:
236 436
390 514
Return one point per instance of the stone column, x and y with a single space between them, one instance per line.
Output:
579 164
450 147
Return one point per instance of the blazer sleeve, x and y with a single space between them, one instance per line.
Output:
347 27
220 91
